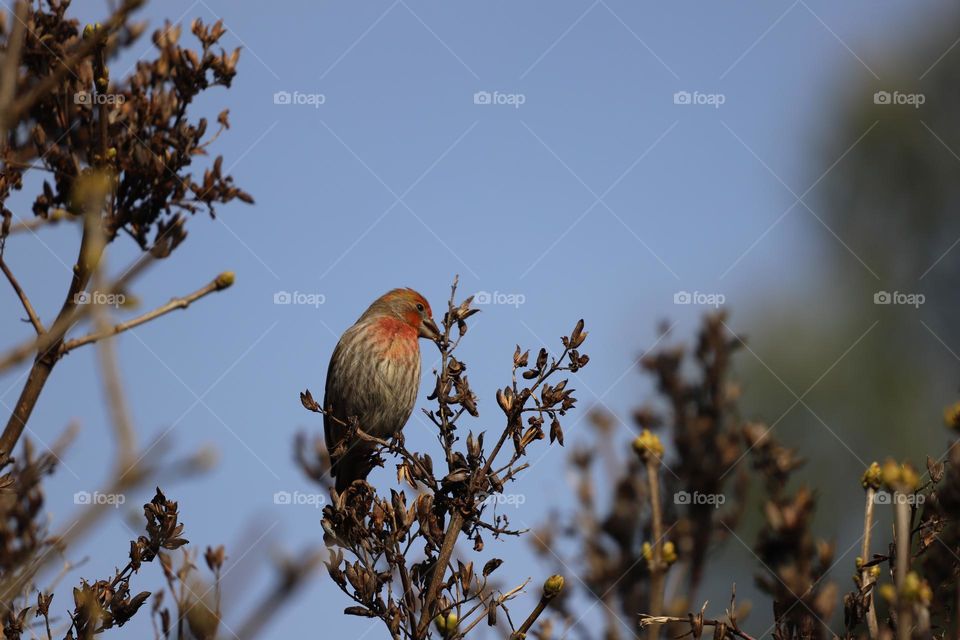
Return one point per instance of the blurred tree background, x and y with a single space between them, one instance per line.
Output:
848 381
872 379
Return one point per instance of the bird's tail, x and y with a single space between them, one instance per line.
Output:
355 464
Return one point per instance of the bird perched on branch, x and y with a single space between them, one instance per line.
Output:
374 375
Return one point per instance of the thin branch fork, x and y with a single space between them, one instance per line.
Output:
50 346
24 300
493 602
43 345
88 258
219 283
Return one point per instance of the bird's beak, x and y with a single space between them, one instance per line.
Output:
429 329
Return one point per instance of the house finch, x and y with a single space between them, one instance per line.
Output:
374 375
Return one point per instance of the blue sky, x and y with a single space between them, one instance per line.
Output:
597 197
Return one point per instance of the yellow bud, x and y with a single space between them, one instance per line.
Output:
911 586
909 477
225 279
647 444
447 624
871 477
951 416
888 592
859 562
553 586
669 553
647 551
874 572
890 474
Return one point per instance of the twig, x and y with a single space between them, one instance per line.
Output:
647 620
551 589
116 399
293 576
902 528
53 217
87 260
219 283
499 600
865 579
657 565
24 300
43 344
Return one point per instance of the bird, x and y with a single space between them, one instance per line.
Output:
374 376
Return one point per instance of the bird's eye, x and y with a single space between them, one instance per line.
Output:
419 307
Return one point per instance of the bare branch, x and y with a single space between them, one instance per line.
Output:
24 300
221 282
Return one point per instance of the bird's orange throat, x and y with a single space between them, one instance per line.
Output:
397 338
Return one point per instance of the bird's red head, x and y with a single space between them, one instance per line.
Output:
409 307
